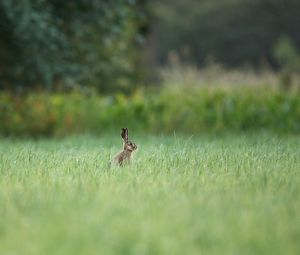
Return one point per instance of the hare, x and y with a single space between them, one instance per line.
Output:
128 147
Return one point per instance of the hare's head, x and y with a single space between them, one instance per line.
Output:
128 145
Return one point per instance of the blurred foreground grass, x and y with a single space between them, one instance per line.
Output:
229 194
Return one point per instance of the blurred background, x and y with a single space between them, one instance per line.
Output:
93 66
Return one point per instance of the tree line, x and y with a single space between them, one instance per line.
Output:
105 44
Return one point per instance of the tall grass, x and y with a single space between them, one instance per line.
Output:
229 194
178 74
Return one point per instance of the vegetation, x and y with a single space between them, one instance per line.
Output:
230 194
286 53
58 45
181 109
217 171
232 32
53 43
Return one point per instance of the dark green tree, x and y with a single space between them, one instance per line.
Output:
82 42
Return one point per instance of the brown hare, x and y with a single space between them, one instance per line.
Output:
124 156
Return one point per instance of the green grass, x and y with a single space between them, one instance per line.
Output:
226 194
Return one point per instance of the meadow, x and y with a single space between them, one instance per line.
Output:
204 194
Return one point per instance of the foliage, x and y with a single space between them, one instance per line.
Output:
232 194
286 53
232 32
85 42
180 109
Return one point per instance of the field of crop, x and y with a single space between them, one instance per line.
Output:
186 109
205 194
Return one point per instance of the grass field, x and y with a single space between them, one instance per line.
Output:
207 194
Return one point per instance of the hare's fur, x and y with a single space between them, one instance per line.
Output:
129 147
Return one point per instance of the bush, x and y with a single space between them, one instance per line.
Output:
189 110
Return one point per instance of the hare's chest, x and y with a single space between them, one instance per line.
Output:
123 157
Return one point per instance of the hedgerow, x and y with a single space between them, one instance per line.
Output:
187 110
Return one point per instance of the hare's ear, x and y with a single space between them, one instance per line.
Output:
124 134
